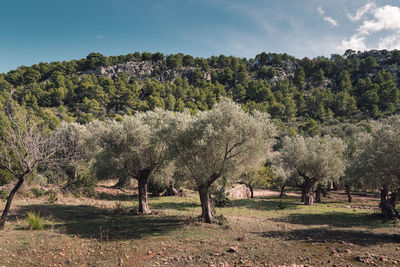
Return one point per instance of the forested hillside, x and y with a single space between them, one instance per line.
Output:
351 87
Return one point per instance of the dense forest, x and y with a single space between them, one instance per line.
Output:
348 88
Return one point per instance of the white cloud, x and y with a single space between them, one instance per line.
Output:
356 42
331 21
321 11
390 42
99 36
386 18
328 19
360 12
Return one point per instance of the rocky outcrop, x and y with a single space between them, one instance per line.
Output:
286 70
147 69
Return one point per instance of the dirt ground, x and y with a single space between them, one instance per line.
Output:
265 231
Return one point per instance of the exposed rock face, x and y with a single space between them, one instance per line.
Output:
240 191
139 70
146 69
285 71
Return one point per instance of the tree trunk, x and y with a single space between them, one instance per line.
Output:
318 194
303 192
171 190
335 186
348 191
143 180
388 204
282 190
324 191
307 187
251 191
9 201
206 204
393 198
329 186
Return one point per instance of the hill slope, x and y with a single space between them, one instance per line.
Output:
355 86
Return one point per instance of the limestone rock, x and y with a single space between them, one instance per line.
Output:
240 191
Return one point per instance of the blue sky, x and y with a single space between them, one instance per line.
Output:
57 30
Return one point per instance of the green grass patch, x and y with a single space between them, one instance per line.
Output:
34 221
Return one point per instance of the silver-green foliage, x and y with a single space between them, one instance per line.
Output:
316 157
375 162
137 147
222 142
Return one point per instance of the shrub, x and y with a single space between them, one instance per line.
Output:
38 192
157 186
221 199
34 221
37 179
84 184
3 194
51 196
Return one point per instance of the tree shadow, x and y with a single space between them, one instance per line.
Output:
323 235
113 193
266 205
92 222
116 197
336 219
175 205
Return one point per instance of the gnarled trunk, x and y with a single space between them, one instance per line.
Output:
318 194
282 191
335 186
9 201
206 204
303 192
251 190
324 191
307 187
171 190
348 192
388 204
143 180
329 186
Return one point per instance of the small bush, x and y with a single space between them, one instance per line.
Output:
3 194
38 192
34 221
157 186
51 196
37 179
84 185
221 199
222 220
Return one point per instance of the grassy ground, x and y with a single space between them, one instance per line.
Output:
266 230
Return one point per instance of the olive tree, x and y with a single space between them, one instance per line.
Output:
137 147
263 176
376 162
221 143
314 159
25 143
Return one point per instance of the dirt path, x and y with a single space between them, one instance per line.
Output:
271 193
